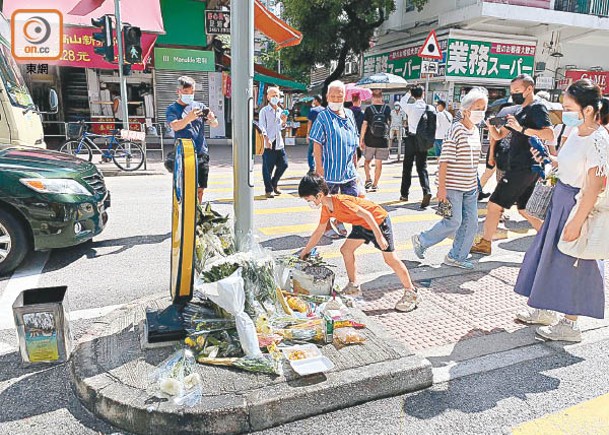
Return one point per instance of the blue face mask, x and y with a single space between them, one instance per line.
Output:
187 98
274 101
571 119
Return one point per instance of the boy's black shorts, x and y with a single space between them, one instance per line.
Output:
361 233
203 170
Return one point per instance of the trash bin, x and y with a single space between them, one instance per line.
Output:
43 330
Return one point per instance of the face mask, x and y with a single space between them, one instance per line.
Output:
571 119
187 98
397 108
518 98
313 205
335 106
274 101
477 116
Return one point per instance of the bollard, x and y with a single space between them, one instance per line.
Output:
43 330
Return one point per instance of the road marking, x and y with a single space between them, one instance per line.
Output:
24 278
303 228
93 313
590 417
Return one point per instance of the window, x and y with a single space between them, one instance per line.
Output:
408 6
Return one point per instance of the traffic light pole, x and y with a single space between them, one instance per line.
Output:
121 62
242 71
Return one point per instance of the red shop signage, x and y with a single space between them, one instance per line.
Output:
601 78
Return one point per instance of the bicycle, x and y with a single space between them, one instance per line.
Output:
128 156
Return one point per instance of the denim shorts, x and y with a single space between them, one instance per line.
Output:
346 188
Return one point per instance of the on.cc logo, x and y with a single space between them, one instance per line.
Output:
37 30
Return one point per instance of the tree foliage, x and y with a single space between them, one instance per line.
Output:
333 29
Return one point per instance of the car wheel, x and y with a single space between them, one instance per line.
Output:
14 242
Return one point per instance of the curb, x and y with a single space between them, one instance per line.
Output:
117 393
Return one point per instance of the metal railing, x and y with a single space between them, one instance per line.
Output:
590 7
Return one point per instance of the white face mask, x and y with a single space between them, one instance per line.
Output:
335 106
187 98
477 116
313 205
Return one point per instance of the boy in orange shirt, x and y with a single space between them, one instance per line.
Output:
370 222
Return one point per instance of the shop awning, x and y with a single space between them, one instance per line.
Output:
284 83
274 28
145 14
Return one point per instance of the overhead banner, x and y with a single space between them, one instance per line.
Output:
601 78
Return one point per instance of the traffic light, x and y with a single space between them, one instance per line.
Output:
105 36
132 36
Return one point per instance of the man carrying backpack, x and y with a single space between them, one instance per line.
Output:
420 138
374 138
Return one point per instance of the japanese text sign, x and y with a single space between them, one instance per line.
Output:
217 22
490 60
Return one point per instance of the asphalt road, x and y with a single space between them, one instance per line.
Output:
130 259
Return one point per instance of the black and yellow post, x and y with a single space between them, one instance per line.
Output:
167 325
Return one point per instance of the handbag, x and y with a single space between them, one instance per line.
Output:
592 243
539 202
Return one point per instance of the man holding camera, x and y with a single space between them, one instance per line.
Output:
187 119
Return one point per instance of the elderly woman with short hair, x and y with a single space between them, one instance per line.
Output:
457 184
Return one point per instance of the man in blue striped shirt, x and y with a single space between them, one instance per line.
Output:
336 139
272 121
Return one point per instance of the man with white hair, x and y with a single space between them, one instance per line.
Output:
187 119
272 121
336 139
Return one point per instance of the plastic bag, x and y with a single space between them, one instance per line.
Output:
349 336
229 294
177 377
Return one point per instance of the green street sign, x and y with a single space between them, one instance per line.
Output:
490 60
184 60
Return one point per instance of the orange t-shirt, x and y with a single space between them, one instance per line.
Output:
346 207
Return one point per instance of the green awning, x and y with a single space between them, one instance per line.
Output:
288 84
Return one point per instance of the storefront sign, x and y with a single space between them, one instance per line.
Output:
107 125
491 60
404 62
217 22
216 104
601 78
184 60
544 82
78 50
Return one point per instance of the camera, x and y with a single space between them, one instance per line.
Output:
204 113
498 121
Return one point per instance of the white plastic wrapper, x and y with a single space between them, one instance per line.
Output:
229 294
176 377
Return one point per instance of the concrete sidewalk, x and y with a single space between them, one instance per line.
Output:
111 377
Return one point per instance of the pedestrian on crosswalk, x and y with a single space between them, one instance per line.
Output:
457 184
274 159
371 224
336 139
374 138
553 281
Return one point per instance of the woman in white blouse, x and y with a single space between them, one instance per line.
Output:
555 282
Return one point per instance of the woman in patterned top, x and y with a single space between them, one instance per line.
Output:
457 184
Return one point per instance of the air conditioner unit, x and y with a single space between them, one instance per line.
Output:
596 68
540 67
570 66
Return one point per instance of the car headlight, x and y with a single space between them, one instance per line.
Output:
56 186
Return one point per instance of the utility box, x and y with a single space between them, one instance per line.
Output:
43 330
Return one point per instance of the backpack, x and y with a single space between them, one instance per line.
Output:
378 128
426 129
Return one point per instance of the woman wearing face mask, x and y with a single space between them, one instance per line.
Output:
457 184
555 282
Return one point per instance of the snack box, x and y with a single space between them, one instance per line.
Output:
312 360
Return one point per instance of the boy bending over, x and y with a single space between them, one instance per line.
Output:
370 222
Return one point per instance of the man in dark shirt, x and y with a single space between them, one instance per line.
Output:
374 138
312 116
187 119
519 180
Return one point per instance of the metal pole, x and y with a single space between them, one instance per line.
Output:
427 87
121 60
242 71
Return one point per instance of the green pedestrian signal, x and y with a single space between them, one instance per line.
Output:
132 37
105 37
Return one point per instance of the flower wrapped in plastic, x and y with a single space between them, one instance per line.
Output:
177 377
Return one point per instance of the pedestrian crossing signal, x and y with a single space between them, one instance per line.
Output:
132 36
105 37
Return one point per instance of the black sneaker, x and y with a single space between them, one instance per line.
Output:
374 188
368 184
404 198
426 200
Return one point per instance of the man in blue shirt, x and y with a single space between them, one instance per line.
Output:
187 119
272 121
315 109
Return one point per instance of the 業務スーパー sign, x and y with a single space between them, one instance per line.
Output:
184 60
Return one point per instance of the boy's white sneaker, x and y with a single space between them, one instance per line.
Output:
409 301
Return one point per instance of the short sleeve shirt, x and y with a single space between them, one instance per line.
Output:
195 130
339 140
346 208
371 140
580 154
461 151
534 116
312 116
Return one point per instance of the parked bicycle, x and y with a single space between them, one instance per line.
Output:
127 155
